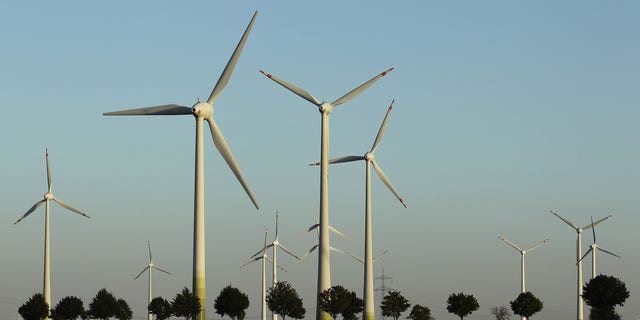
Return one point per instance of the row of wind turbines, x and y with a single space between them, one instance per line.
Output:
593 248
203 110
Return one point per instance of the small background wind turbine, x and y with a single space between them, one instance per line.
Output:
149 268
316 227
325 108
580 302
523 252
369 158
203 111
48 197
592 249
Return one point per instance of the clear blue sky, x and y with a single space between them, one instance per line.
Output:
504 110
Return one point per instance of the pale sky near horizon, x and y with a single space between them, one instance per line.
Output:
504 111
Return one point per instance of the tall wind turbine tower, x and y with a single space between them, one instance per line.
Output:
325 108
369 159
149 268
523 252
203 111
592 249
580 302
48 197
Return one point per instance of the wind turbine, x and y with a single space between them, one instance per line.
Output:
580 302
149 267
325 108
275 244
369 158
48 197
523 252
316 227
263 257
203 111
592 249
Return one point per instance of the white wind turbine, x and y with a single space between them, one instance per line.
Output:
580 302
149 267
263 257
48 197
369 158
203 111
592 249
523 252
325 108
275 244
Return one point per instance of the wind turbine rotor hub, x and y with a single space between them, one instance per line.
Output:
325 108
369 156
202 110
579 230
48 196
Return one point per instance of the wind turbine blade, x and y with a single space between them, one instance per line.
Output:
32 209
68 207
585 254
141 272
355 257
609 252
303 94
48 170
228 69
157 268
341 160
594 230
353 93
149 244
306 231
338 250
336 231
382 127
538 245
287 251
279 266
163 110
276 225
510 243
223 148
386 181
596 223
565 220
262 250
251 261
380 256
310 250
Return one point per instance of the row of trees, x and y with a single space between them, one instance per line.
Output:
103 306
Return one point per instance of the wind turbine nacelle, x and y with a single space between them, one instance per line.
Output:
202 110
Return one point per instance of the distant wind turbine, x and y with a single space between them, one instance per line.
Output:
203 111
369 158
316 227
580 302
325 108
48 197
523 252
592 249
149 268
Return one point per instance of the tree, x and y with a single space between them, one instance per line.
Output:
284 300
461 304
35 308
186 304
124 312
232 302
394 304
161 308
603 293
356 305
526 305
69 308
419 312
103 306
501 312
334 300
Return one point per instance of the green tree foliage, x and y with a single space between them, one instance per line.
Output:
603 293
419 312
161 308
284 300
35 308
394 304
462 304
232 302
69 308
334 300
356 305
124 312
103 306
526 304
501 312
186 304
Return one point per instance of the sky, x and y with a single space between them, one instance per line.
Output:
503 111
